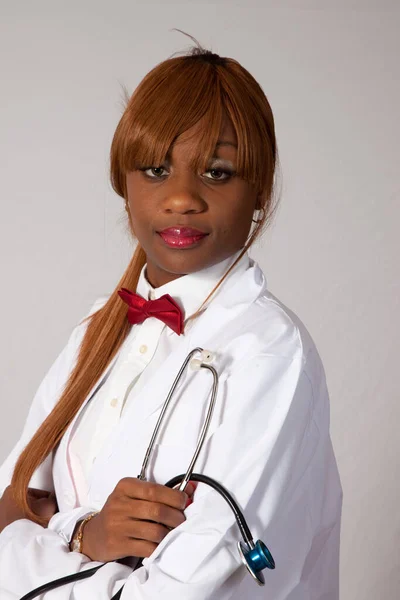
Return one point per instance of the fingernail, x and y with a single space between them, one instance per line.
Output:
189 501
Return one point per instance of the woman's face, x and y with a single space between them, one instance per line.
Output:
186 221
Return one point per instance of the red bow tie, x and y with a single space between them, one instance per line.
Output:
165 309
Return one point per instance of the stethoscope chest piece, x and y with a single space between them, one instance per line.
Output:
256 559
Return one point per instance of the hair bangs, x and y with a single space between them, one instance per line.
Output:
252 118
171 99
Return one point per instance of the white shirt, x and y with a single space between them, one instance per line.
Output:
144 350
268 444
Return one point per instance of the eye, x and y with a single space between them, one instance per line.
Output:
153 172
219 174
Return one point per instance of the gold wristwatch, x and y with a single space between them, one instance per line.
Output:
76 542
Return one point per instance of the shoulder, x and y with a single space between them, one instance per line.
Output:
54 381
77 334
293 338
267 327
273 317
268 346
95 307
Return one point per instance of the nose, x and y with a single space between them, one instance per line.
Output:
182 196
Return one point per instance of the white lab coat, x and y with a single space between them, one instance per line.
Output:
268 444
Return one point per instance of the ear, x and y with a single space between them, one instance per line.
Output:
130 223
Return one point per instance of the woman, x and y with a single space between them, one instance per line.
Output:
194 157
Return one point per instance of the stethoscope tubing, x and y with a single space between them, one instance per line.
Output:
239 516
51 585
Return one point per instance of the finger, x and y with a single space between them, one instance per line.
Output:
128 547
36 493
152 492
146 530
139 548
44 507
53 498
156 512
190 487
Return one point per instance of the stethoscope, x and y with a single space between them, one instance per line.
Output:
255 555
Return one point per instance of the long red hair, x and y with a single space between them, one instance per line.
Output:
171 98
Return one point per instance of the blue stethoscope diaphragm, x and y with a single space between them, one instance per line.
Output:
256 559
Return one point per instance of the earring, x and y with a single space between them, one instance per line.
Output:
262 218
127 207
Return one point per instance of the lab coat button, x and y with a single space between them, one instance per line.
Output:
143 349
114 402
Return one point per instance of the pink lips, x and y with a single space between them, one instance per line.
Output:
181 237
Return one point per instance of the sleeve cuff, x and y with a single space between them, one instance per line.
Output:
64 523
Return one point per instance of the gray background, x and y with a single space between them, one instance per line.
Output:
330 71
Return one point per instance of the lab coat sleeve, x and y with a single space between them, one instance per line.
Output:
262 453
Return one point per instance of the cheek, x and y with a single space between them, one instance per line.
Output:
140 213
139 201
237 218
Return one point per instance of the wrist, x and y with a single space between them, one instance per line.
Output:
64 523
77 536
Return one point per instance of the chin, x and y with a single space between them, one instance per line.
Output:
183 263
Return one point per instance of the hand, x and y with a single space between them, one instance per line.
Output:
42 502
135 518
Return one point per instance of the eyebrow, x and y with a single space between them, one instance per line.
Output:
217 145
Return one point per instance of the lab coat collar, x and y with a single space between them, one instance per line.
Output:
235 296
190 291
